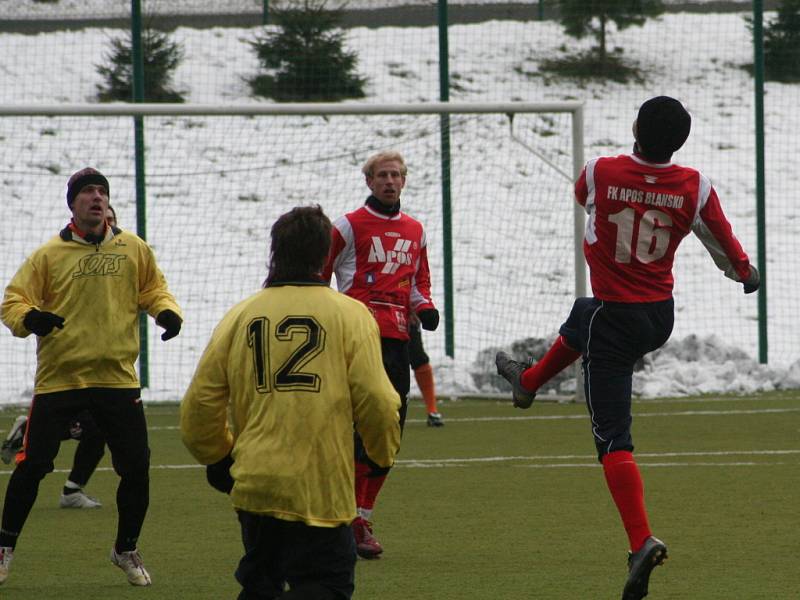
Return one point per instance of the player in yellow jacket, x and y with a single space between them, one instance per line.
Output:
297 366
81 293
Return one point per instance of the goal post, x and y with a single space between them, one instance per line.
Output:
219 175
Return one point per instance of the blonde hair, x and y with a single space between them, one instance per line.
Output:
369 167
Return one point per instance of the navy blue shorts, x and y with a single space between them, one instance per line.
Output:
611 337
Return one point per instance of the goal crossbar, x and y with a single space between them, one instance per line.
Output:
307 108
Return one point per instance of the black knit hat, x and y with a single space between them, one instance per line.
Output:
84 177
662 125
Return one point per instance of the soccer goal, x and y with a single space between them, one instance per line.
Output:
504 235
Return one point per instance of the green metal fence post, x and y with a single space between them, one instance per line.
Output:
447 221
761 218
138 133
265 13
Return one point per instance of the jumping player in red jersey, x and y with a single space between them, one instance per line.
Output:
640 207
380 257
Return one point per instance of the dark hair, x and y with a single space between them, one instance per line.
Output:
662 126
301 240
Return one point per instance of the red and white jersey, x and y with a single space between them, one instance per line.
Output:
382 261
638 214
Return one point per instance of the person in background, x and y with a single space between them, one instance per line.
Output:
90 449
111 216
298 367
88 453
640 207
423 372
81 293
380 257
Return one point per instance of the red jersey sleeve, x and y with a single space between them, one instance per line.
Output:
581 188
337 245
714 231
421 285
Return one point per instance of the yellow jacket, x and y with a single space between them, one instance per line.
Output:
99 289
296 366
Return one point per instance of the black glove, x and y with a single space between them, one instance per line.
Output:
375 470
170 322
429 319
219 475
752 282
42 323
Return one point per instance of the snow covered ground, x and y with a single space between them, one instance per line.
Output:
97 8
689 364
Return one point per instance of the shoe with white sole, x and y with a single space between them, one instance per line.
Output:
131 563
6 554
13 441
435 420
79 499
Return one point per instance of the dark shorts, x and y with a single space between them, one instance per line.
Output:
318 563
395 362
416 351
82 427
611 337
117 415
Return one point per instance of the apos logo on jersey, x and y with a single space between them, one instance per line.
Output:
400 254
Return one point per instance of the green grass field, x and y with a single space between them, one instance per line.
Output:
500 503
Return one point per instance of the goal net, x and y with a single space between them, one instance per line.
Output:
217 177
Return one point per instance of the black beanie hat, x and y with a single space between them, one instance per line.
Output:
84 177
662 125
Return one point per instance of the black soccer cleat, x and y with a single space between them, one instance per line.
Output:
640 564
511 370
435 420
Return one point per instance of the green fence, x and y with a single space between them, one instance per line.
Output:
701 53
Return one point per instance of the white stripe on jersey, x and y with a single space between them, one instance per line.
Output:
703 191
416 298
705 235
345 264
590 235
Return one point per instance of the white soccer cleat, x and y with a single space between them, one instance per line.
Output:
79 500
131 563
6 555
13 441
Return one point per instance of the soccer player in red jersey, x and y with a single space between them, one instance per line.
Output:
640 206
379 255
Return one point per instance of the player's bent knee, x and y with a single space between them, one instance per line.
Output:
33 470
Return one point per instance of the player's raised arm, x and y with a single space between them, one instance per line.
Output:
712 228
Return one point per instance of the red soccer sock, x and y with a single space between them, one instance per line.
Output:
557 358
626 487
374 485
424 377
361 483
